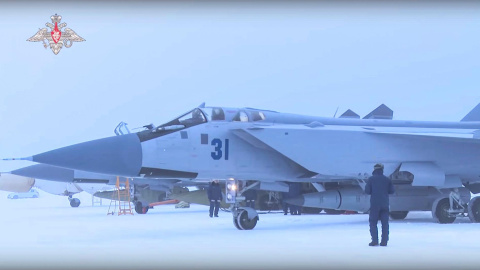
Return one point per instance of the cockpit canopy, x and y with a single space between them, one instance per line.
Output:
233 114
202 115
192 118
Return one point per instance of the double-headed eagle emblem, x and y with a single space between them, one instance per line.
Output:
56 38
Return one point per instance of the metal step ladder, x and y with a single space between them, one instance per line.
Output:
96 201
121 195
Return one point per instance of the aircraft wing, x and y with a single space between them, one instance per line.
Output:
336 151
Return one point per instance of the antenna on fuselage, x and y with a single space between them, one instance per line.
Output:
335 114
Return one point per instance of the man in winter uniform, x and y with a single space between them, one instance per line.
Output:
250 197
379 187
214 196
295 190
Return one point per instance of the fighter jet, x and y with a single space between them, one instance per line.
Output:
273 148
69 189
17 183
145 190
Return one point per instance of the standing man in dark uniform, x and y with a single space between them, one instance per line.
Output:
379 187
214 196
250 196
295 190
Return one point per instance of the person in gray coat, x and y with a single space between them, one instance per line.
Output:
379 187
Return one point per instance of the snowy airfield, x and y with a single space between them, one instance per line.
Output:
46 233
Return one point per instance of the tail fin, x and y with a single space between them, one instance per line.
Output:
473 115
349 114
381 112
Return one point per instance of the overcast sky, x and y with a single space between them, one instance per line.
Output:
148 62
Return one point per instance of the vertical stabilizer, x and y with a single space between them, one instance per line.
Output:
381 112
473 115
349 114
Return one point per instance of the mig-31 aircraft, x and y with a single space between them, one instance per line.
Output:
430 162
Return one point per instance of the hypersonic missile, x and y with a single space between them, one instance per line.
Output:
196 197
343 199
405 198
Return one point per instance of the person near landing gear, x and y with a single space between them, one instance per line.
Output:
379 187
250 197
214 196
295 190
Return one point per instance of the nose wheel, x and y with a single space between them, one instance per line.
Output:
74 202
245 218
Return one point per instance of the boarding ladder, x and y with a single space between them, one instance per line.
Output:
121 195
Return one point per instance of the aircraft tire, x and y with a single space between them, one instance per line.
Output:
334 211
235 222
474 209
440 211
140 209
398 214
244 223
75 202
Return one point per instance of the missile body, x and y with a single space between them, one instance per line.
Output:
405 198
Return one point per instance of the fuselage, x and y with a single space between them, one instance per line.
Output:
251 144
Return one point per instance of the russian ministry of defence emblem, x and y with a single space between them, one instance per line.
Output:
56 38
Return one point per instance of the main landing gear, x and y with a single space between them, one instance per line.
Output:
447 209
74 202
140 209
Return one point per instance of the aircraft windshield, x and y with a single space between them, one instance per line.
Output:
241 116
257 116
233 114
192 118
214 113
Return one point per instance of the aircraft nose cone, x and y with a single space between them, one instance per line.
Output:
118 155
43 171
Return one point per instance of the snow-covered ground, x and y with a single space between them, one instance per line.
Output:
46 233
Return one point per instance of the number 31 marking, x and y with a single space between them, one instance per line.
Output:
218 153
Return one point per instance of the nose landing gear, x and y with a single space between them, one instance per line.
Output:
244 218
74 202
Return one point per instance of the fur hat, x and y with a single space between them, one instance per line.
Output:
378 166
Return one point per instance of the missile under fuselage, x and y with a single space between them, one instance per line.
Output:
405 198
